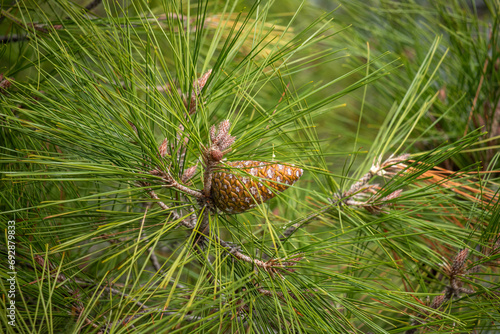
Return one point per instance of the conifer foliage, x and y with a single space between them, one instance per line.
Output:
225 167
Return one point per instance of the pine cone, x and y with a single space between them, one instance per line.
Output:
238 192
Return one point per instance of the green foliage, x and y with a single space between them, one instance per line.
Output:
105 109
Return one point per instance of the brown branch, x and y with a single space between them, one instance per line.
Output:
30 27
154 260
13 38
189 224
270 266
303 222
172 183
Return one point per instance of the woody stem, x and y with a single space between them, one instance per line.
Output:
208 174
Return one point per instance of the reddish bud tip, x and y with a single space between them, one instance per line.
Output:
216 155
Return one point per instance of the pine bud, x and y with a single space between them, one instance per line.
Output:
438 301
233 193
197 87
216 155
459 261
188 173
163 148
227 142
393 195
223 130
200 83
213 130
5 83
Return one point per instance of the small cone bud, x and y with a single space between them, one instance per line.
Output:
216 155
201 82
163 148
40 260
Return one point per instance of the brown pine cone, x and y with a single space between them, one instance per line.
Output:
236 192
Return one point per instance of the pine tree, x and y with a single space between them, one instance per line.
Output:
178 167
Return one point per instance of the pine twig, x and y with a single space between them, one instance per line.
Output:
170 182
454 271
360 189
270 266
373 204
175 215
303 222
